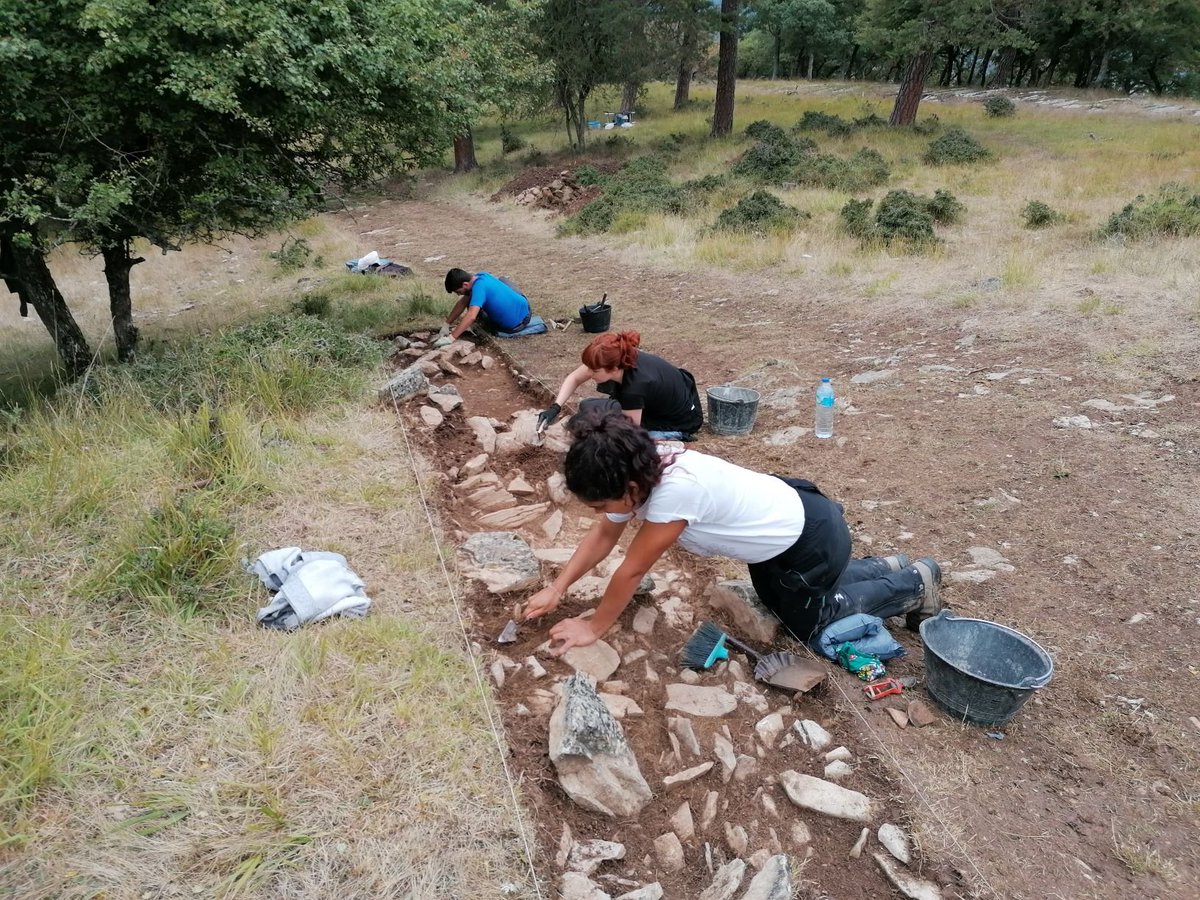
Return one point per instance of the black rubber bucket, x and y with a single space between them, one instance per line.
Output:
731 410
596 317
979 671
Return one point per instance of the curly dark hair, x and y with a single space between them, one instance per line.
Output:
608 452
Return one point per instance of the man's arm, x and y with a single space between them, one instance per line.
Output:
457 311
467 321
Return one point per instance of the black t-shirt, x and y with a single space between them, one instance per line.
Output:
666 395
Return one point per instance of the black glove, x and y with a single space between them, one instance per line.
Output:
547 416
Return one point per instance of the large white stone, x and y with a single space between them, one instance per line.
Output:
643 620
696 700
812 735
682 729
652 891
907 883
709 813
725 754
516 517
825 797
587 856
484 433
595 764
682 823
687 775
669 851
404 385
577 886
769 728
773 882
895 841
598 659
751 619
431 416
726 882
502 561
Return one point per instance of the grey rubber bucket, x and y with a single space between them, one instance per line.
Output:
731 410
979 671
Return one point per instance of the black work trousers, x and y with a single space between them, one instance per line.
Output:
815 582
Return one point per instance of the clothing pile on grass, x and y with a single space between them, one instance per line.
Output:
309 585
374 264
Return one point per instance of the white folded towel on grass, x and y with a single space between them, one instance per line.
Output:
311 585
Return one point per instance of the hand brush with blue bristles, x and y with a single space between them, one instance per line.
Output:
706 647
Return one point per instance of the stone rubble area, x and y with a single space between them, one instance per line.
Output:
751 776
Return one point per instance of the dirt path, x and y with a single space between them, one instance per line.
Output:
1075 531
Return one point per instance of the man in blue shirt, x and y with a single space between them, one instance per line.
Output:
498 305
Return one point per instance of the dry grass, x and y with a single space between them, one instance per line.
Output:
154 741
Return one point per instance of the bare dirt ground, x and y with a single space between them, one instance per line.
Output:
1092 792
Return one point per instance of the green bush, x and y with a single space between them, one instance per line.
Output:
618 143
832 125
641 186
772 159
999 107
901 217
760 211
1173 211
905 217
587 175
535 157
763 130
930 125
1039 215
701 189
863 170
294 254
870 120
944 208
510 141
856 218
955 146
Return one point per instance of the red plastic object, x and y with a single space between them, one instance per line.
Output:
883 687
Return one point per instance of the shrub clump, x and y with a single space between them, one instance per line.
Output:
999 107
587 175
865 169
1174 211
763 130
640 186
772 158
760 211
510 141
832 125
701 190
901 217
955 146
930 125
1040 215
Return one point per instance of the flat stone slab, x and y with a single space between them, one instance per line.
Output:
907 883
773 882
687 775
404 385
502 561
873 376
599 660
695 700
738 599
726 882
827 798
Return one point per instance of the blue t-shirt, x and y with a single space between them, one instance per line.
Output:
505 307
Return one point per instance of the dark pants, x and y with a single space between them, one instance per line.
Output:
815 582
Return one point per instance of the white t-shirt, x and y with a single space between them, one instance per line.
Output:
730 511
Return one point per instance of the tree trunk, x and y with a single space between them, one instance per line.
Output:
1008 56
987 61
629 94
581 120
1102 75
464 153
974 63
25 273
912 87
687 56
775 55
948 70
850 65
722 125
117 264
810 65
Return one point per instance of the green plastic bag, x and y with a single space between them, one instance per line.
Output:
868 668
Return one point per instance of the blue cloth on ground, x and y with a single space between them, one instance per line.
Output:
505 306
536 326
867 633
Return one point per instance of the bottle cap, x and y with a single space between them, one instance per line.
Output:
824 379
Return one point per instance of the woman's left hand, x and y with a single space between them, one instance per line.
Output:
571 633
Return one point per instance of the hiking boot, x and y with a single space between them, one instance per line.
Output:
931 601
897 562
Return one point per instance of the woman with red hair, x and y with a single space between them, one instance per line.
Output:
648 389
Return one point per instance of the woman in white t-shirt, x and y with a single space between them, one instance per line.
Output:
793 538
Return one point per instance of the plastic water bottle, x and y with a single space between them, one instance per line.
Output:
824 422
